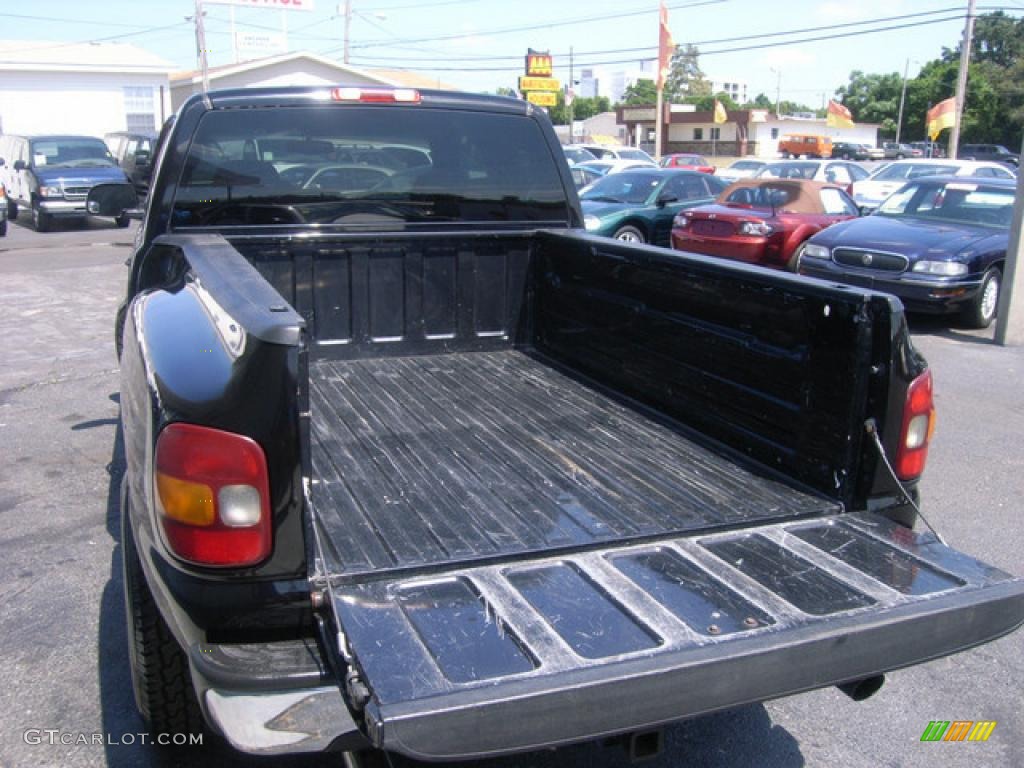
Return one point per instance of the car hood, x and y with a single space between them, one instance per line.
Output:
80 177
911 237
729 212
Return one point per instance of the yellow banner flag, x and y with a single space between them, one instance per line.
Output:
942 115
838 116
720 114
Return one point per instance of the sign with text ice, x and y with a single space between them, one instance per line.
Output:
283 5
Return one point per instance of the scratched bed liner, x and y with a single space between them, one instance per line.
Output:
425 461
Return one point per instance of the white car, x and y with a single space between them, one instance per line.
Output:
605 152
871 192
3 211
741 169
830 171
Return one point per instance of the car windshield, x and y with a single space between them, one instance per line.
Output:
961 202
577 154
634 154
357 165
745 165
789 171
910 171
630 187
70 153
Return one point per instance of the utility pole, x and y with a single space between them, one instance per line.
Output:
903 98
778 89
571 96
204 67
961 81
348 22
1010 316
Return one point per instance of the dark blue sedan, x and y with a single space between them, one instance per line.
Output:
939 244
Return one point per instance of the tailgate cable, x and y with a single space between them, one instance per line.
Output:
871 427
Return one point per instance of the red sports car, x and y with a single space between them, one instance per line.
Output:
687 163
762 221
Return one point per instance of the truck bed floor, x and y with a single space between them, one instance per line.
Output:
424 461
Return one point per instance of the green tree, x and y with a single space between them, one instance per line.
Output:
685 77
707 103
760 102
641 92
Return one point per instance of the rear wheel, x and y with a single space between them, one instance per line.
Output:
3 227
160 674
982 310
794 261
629 234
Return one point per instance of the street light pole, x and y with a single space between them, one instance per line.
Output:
903 98
348 22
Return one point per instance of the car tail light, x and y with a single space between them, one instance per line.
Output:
376 95
213 496
918 427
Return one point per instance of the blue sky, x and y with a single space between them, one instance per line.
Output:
479 44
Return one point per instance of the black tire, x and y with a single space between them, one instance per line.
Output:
40 219
900 157
12 209
785 155
794 261
846 156
122 221
3 228
160 675
982 310
629 234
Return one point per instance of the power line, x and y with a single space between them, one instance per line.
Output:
108 38
709 42
532 27
710 53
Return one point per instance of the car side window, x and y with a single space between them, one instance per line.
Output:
836 203
857 172
1001 173
837 174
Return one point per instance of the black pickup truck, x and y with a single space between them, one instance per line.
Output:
414 464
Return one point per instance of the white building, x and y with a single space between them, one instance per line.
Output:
735 88
296 68
82 88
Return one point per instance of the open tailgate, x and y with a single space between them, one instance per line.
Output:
526 654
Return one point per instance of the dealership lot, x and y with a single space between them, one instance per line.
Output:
63 629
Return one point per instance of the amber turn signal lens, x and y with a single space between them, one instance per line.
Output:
186 502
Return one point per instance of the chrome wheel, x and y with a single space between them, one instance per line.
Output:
629 235
990 298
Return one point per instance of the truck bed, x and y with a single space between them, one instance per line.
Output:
432 460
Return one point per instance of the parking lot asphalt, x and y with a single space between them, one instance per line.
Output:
63 631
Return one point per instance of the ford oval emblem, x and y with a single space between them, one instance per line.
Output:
866 259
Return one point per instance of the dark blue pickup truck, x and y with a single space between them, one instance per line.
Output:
416 465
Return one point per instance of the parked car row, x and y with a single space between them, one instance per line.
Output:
50 177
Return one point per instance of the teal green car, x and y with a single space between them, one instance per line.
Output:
638 206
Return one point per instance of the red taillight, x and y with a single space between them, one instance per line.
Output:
376 95
213 495
918 427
